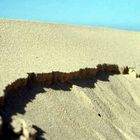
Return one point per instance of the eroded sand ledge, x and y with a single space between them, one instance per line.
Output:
62 77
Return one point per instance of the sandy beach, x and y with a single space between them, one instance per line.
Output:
68 82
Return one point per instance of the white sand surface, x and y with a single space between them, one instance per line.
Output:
105 106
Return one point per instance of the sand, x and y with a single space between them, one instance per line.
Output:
69 82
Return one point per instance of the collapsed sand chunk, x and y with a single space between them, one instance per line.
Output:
22 129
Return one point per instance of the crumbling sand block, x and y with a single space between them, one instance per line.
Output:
23 130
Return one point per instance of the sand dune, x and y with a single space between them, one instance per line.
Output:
68 82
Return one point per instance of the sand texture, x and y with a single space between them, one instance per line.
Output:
60 82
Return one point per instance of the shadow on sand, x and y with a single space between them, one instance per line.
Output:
17 101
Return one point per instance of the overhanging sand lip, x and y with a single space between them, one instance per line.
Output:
62 77
28 47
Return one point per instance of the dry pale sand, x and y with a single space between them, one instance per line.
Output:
60 82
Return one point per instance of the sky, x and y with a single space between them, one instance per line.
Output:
120 14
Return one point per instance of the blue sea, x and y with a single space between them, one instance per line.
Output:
120 14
